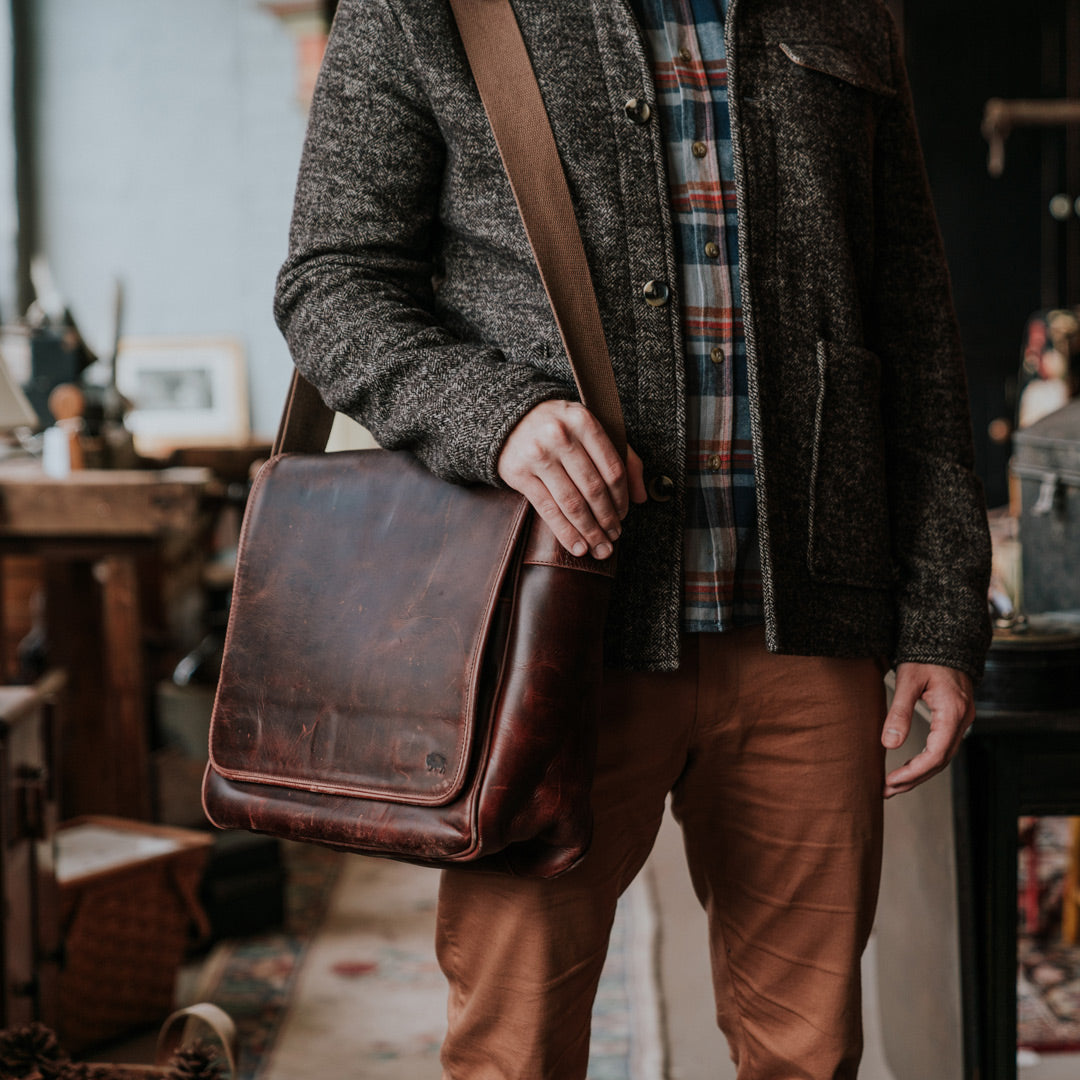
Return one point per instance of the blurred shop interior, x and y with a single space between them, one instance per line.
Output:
148 152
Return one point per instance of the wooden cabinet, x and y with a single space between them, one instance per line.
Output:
30 943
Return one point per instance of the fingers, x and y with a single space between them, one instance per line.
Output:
560 458
931 760
950 698
559 501
594 496
898 720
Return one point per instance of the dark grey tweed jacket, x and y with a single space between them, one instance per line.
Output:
410 299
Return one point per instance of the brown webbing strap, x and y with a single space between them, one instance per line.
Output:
511 96
519 121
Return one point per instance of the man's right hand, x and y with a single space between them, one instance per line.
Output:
560 458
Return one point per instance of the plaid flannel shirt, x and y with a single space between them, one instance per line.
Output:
721 571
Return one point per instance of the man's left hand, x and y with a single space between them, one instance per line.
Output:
950 697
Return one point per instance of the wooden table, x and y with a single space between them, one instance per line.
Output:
110 542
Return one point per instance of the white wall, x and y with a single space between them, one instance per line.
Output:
169 137
8 213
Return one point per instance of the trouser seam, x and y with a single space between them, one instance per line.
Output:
695 722
718 905
730 982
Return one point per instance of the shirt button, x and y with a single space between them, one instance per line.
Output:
685 53
699 149
661 489
712 249
638 110
714 463
656 293
717 354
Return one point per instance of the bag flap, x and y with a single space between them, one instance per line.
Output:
365 588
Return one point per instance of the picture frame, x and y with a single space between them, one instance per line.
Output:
184 391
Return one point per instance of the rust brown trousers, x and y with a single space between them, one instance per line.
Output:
775 769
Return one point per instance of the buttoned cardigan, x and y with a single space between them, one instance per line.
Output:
409 297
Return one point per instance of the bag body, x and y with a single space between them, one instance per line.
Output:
411 669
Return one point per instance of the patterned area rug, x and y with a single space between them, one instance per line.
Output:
1048 974
627 1035
352 989
1048 997
252 978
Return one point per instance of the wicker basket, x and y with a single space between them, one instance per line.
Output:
129 911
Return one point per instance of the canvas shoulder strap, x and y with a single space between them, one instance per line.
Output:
519 121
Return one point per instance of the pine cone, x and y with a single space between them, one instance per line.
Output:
196 1062
24 1049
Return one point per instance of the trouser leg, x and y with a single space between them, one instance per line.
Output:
523 957
781 809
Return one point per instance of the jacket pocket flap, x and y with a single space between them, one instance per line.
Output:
839 63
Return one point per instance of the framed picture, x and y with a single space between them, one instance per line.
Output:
184 391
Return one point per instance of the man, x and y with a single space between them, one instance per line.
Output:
752 201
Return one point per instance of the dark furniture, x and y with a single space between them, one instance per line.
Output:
1013 764
947 920
29 947
1008 255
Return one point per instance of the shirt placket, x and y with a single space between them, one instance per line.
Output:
715 330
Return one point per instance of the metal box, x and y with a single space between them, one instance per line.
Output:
1046 461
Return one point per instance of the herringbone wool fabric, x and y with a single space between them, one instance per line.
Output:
411 299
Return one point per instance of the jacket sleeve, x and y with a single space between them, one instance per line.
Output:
355 298
941 545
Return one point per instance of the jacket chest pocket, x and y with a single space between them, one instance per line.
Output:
824 98
838 64
849 514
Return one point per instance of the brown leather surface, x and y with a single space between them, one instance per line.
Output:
542 549
396 679
363 608
537 785
305 421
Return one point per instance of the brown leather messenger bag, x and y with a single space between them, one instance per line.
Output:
412 667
